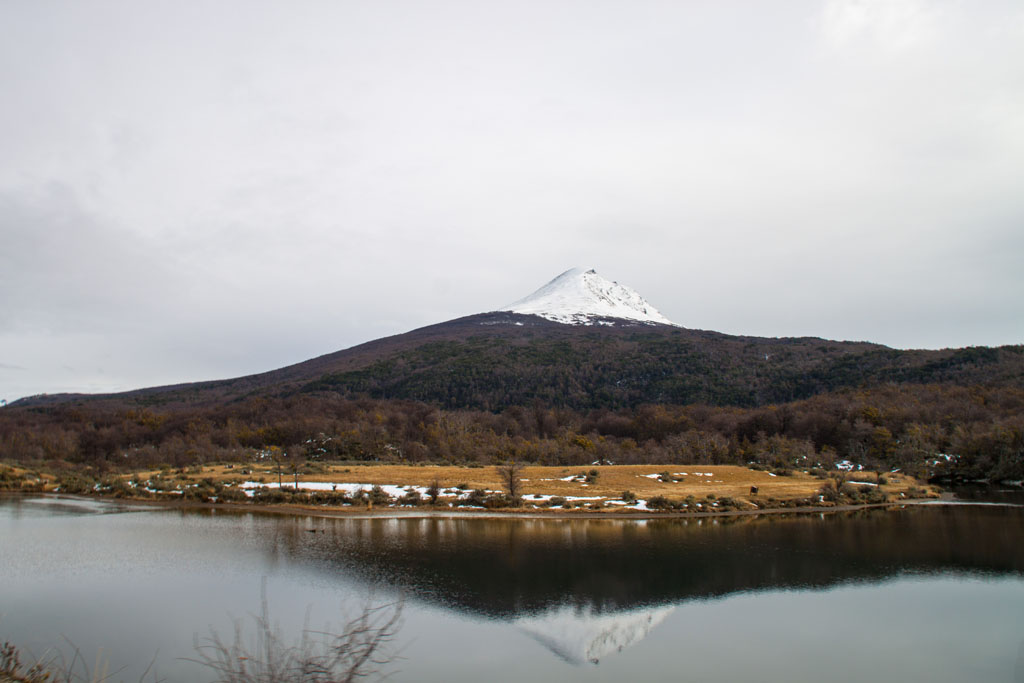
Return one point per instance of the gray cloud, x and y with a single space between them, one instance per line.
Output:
189 192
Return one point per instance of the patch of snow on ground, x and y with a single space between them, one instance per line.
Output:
351 489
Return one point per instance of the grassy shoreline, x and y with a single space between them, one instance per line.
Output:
621 491
425 512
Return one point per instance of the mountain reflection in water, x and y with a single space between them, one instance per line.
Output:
581 636
510 568
485 591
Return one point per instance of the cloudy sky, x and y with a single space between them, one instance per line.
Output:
202 190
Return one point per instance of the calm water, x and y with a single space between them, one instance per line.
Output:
926 593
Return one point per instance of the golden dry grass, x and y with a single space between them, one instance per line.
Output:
611 481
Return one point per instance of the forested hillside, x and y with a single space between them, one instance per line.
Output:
595 370
922 429
497 360
499 387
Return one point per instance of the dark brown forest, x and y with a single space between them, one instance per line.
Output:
481 390
906 427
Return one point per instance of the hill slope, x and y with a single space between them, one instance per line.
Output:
494 360
584 342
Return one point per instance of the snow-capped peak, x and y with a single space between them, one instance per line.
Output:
585 635
582 297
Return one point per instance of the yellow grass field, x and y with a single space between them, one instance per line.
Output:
611 481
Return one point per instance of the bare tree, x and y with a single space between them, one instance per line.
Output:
510 477
358 650
295 464
361 648
277 456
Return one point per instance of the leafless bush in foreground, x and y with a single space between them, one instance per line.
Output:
56 667
360 649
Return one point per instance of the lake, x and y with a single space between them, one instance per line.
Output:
926 592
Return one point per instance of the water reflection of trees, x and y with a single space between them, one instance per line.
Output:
510 567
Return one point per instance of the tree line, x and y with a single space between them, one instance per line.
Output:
970 432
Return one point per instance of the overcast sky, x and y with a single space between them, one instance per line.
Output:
201 190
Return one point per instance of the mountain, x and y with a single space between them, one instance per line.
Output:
580 636
582 370
584 342
582 297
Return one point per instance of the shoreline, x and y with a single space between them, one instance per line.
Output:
426 512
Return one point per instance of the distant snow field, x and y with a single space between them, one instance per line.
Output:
398 491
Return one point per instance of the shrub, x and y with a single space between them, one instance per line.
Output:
850 491
330 498
876 495
356 651
9 479
377 496
159 483
497 500
475 498
269 495
659 503
411 497
231 495
628 496
727 503
199 493
117 487
556 501
75 483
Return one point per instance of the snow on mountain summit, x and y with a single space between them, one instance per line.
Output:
585 635
582 297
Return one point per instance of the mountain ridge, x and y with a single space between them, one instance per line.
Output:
492 360
584 342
